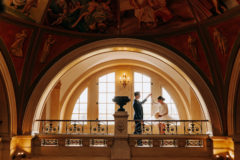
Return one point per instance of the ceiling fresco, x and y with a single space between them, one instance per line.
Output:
117 16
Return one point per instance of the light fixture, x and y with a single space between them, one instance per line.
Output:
124 80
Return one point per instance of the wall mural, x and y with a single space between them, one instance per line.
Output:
208 8
17 39
118 16
192 48
32 10
51 45
97 16
223 36
141 16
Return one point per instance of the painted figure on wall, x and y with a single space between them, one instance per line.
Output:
47 48
16 48
154 16
161 11
192 45
25 5
30 10
143 12
208 8
220 41
18 4
29 4
82 15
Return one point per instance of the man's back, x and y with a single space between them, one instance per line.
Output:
138 115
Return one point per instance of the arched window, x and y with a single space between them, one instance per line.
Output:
80 108
172 109
106 92
142 83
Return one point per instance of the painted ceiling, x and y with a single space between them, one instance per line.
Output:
117 16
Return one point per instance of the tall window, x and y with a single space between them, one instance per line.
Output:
172 109
80 108
106 92
142 83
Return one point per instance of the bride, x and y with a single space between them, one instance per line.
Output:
160 112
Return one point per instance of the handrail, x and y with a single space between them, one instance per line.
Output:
170 120
41 120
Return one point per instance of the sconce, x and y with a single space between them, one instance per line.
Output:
124 80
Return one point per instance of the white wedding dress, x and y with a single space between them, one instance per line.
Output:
161 109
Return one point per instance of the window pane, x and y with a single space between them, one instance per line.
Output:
111 108
147 108
144 95
106 105
102 108
76 108
84 96
137 77
138 87
74 116
102 79
80 107
102 87
102 117
82 117
83 108
111 87
110 96
111 77
146 79
110 117
102 97
147 87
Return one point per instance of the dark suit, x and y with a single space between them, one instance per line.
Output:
138 115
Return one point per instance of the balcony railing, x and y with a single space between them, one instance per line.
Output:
106 127
75 137
171 127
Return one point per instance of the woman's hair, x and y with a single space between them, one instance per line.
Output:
161 98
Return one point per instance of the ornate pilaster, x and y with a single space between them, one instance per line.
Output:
120 149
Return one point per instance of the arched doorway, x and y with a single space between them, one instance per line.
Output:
122 48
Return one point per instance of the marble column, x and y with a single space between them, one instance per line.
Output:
120 149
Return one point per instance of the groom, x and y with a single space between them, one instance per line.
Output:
138 113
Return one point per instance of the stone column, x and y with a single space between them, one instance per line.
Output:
120 149
236 140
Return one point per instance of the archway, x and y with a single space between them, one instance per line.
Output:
232 97
10 96
128 46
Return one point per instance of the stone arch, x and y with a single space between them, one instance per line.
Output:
232 95
47 82
10 95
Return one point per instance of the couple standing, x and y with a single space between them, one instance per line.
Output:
160 112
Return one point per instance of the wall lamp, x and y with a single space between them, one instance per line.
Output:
124 80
